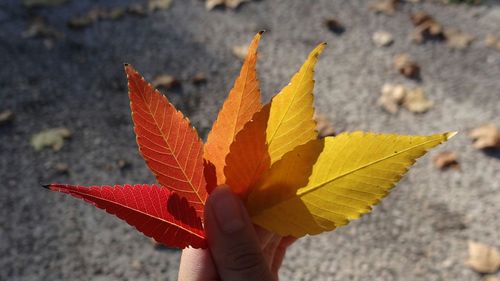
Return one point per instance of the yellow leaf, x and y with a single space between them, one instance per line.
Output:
334 180
291 120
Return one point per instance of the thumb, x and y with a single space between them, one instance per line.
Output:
232 239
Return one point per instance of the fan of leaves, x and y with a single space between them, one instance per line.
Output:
292 181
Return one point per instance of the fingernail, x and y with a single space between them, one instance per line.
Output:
227 211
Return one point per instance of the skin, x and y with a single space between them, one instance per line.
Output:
238 250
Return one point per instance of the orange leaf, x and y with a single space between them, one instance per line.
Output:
239 107
168 143
248 157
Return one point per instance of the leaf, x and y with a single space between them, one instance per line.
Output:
416 101
405 65
352 172
168 143
291 120
53 137
486 136
248 157
238 108
382 38
483 258
154 210
445 160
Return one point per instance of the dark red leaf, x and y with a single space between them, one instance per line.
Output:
154 210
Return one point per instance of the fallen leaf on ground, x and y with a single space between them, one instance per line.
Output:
387 7
334 26
446 159
426 28
42 3
233 4
382 38
406 66
156 5
416 101
61 168
199 79
166 81
483 258
324 126
486 136
457 39
50 138
491 41
6 117
240 51
39 28
392 97
136 9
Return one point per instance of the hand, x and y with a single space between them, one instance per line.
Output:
238 250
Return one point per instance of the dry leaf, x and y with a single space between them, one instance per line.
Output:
240 51
445 160
233 4
42 3
416 101
39 28
324 126
387 7
491 41
166 81
483 258
6 117
199 79
406 66
155 5
426 28
486 136
334 26
62 168
95 14
392 97
456 39
136 9
50 138
382 38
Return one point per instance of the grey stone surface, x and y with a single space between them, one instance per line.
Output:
418 233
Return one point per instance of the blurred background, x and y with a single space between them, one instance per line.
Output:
411 67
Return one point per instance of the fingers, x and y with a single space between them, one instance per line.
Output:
279 254
233 243
197 265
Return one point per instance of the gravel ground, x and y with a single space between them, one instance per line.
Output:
419 232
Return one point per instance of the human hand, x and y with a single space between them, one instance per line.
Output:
238 250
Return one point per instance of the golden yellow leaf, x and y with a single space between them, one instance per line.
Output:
291 120
334 180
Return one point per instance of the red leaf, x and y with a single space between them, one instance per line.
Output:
171 147
154 210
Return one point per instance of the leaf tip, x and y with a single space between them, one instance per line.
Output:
47 186
449 135
261 31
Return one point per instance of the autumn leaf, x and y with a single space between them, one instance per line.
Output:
291 120
351 173
167 142
239 107
154 210
248 157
